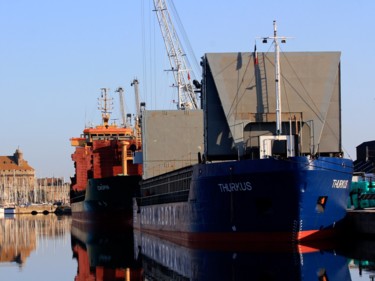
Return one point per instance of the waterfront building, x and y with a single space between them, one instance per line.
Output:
17 179
52 190
19 185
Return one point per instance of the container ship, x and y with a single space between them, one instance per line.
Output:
106 175
240 168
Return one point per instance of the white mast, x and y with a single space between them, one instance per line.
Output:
277 76
105 105
266 141
277 80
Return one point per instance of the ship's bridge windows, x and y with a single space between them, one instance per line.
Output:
123 137
97 136
109 136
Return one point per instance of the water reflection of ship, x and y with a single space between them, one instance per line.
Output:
104 251
164 260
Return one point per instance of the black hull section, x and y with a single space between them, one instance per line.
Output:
107 199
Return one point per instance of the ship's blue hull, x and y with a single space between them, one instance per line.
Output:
287 199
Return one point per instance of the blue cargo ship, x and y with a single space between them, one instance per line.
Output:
261 173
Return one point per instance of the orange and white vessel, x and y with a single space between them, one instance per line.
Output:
106 173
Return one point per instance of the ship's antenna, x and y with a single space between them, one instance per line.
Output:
105 105
276 39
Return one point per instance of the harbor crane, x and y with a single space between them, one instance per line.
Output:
120 91
136 93
138 108
177 58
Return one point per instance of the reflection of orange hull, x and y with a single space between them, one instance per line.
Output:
104 251
100 273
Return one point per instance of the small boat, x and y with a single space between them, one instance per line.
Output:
7 210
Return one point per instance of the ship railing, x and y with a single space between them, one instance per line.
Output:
112 137
171 197
171 187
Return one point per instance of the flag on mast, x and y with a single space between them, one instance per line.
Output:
255 55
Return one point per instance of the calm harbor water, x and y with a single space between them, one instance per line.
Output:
48 247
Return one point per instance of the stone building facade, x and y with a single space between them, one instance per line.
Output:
17 179
19 186
52 190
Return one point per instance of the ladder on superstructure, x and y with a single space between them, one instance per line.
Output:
179 64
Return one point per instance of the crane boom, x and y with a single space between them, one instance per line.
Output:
138 108
120 91
181 70
136 93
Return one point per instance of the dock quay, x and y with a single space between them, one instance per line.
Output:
35 209
361 221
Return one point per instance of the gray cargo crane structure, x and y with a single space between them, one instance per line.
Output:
137 125
177 58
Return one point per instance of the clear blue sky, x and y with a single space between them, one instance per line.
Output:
56 55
